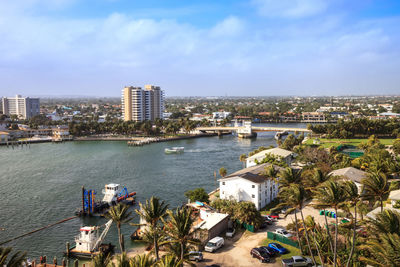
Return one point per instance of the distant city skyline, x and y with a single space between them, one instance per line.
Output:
200 47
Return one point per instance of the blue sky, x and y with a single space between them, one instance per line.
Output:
200 47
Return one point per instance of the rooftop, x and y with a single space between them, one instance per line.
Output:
276 151
350 173
253 174
212 219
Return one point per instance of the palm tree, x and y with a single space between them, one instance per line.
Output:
387 221
353 197
222 172
169 261
101 260
288 176
122 261
16 260
179 229
331 194
295 196
315 178
120 215
152 213
376 187
142 260
383 252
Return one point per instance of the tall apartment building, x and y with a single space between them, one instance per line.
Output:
23 107
142 104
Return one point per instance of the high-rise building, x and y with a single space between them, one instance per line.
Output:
142 104
23 107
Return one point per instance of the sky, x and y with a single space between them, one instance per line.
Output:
200 47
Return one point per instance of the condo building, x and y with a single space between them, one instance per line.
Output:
142 104
23 107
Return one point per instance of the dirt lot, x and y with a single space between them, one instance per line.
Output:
236 251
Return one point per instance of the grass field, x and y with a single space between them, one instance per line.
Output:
292 250
355 142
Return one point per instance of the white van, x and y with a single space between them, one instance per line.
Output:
214 244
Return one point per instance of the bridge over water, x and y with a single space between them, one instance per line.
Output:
250 131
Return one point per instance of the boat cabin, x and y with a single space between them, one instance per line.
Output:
110 193
87 238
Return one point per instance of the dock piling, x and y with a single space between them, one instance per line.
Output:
55 261
67 249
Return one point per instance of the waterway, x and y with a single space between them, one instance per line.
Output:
41 184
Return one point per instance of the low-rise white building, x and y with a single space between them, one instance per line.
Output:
250 184
395 197
282 154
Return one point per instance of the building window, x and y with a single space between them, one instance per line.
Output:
253 196
223 183
253 186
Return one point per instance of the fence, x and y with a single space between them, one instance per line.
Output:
246 226
282 239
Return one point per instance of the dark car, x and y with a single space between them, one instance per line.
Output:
270 251
260 254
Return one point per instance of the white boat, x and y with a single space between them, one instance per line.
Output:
89 242
175 150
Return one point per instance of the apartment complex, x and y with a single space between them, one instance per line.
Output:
142 104
23 107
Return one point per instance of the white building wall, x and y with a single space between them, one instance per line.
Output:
241 189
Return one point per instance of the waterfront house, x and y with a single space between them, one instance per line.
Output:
352 174
250 184
313 117
61 132
281 154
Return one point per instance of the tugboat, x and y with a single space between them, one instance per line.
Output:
112 196
88 243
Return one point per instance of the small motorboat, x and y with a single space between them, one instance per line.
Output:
279 135
174 150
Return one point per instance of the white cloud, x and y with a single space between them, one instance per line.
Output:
235 54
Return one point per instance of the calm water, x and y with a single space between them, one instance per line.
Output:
42 184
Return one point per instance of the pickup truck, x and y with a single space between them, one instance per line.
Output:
295 261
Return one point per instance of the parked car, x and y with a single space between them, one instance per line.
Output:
230 232
278 248
260 254
195 256
267 219
274 215
270 251
214 244
281 231
297 261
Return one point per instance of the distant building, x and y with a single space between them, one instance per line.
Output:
23 107
142 104
313 117
220 115
250 184
282 154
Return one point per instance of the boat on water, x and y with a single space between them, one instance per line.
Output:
89 242
174 150
112 196
279 135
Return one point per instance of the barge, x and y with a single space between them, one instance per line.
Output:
112 196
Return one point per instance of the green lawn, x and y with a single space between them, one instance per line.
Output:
326 143
292 250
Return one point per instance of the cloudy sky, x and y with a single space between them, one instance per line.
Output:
200 47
